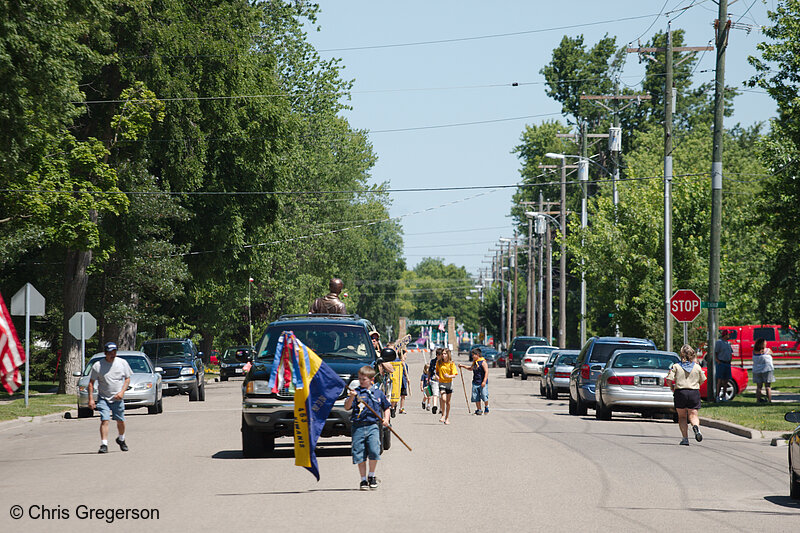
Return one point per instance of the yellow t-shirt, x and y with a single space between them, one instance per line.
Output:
446 368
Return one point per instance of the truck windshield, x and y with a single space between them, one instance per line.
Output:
329 341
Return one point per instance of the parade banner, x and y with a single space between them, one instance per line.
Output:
397 381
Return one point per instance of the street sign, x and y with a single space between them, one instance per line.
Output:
714 305
82 325
684 306
36 302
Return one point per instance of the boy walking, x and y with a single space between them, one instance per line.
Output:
480 380
366 426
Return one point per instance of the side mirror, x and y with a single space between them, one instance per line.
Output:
76 374
159 370
792 416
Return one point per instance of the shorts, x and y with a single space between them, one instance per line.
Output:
445 388
764 377
434 388
686 398
404 388
723 371
366 443
480 393
109 409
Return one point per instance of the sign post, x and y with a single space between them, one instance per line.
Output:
29 302
684 306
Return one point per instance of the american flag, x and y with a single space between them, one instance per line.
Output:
11 354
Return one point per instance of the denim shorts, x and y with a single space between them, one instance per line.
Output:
366 443
480 393
723 371
109 409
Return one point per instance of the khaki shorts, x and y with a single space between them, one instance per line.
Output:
435 388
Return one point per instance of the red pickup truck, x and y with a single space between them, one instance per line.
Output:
783 341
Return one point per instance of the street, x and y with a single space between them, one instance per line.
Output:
526 466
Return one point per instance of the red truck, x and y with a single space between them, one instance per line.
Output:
783 341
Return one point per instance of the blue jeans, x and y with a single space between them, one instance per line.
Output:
109 409
366 443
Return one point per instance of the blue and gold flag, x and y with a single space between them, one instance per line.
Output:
317 388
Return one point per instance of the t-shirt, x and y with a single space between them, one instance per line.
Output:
684 379
375 398
478 371
723 351
762 362
110 376
446 368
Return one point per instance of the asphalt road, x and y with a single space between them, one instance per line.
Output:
528 466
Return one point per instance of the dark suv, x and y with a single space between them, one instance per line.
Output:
183 366
518 348
590 363
342 341
233 360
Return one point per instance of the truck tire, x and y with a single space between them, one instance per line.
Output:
255 444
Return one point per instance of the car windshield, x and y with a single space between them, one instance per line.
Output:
523 344
237 355
655 361
329 341
138 364
567 359
539 350
164 350
601 352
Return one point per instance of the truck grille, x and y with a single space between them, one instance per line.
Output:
284 393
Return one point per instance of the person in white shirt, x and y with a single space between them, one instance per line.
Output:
113 377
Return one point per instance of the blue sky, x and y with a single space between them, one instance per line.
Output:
415 87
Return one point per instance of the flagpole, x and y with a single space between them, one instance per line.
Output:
27 337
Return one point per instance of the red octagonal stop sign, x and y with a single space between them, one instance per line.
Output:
684 305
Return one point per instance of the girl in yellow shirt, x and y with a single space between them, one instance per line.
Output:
446 369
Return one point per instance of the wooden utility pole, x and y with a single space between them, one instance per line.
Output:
516 287
722 26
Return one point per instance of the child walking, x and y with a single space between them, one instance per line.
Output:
424 383
366 426
480 380
446 370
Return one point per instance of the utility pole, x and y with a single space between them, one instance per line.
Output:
549 299
502 298
583 176
508 316
562 289
722 27
529 311
516 287
668 109
540 315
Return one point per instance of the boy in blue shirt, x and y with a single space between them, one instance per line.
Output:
366 426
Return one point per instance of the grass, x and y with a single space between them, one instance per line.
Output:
744 410
38 405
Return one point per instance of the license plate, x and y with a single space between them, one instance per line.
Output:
649 381
238 370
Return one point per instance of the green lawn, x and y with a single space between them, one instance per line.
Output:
744 410
38 404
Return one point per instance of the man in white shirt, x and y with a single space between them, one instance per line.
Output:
113 377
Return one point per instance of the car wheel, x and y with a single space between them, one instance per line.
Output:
153 409
580 407
85 412
202 392
729 391
523 376
794 482
573 407
542 390
508 373
601 412
193 393
161 405
223 378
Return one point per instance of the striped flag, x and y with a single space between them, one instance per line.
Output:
11 355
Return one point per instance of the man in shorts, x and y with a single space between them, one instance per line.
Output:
113 377
723 354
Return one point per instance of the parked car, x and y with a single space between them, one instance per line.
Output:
592 359
144 389
491 355
546 368
738 382
557 377
634 381
233 360
184 371
794 455
464 347
534 359
501 359
342 341
783 341
518 348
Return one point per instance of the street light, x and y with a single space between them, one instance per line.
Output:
547 315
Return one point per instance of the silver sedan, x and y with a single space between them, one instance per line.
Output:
144 389
633 381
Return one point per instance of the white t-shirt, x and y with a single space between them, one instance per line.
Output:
110 376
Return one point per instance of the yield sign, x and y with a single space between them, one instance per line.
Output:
684 305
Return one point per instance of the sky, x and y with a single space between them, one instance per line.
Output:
433 86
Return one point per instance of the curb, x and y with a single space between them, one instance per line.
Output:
23 420
748 433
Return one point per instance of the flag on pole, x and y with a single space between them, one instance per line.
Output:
316 386
11 354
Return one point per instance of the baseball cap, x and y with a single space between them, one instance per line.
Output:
373 333
109 347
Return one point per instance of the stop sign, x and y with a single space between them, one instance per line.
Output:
684 305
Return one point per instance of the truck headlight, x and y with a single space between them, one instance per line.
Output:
257 386
187 371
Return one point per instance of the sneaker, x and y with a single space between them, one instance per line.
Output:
486 411
364 485
684 442
373 482
393 412
697 435
402 411
427 407
423 405
478 411
122 445
103 449
433 410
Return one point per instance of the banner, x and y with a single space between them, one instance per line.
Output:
397 381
